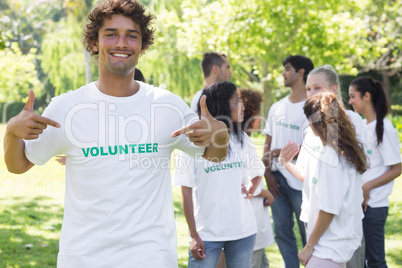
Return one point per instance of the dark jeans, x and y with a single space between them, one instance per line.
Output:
373 228
288 202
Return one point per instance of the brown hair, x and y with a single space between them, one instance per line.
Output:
252 106
332 125
129 8
209 59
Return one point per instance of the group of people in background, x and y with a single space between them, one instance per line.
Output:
324 165
321 163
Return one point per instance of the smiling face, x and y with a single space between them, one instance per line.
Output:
356 100
317 83
119 45
236 107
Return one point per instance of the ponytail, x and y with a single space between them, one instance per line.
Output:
377 97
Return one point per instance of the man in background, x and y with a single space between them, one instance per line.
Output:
286 122
215 68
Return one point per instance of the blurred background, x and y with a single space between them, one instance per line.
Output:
41 47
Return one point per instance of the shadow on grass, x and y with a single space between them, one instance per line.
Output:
35 222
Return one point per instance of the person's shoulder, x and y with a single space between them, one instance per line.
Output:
279 103
76 95
388 124
353 115
160 94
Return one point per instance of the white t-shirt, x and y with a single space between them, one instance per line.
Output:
265 237
286 122
220 210
380 159
194 101
333 186
359 125
312 145
118 201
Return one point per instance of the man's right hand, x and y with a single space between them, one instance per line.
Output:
27 125
272 182
197 247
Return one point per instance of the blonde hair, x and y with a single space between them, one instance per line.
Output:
332 78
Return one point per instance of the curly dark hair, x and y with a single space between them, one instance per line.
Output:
218 96
332 125
252 106
129 8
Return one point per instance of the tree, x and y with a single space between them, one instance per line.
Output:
381 40
258 34
17 76
2 42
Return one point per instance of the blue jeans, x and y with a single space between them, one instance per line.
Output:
238 253
288 202
373 228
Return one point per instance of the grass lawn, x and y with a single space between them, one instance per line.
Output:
31 212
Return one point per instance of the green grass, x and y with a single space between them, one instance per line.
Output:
31 212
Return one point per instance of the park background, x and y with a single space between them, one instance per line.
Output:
41 49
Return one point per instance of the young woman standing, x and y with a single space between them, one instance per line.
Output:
368 98
217 213
262 197
332 194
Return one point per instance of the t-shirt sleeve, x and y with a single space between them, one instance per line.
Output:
183 142
184 173
41 150
255 165
389 148
268 128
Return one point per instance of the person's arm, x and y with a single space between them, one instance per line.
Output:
208 132
26 125
324 219
391 174
252 187
287 154
197 245
270 179
268 197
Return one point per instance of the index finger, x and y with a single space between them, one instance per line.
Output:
180 131
47 121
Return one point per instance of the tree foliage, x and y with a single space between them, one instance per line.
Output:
18 75
353 36
63 60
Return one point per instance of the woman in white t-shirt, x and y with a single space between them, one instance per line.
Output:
217 212
262 197
332 193
368 98
325 79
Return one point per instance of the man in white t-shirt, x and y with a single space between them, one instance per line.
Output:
215 68
286 122
117 135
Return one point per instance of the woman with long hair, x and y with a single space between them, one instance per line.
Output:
217 212
262 197
368 98
332 193
326 79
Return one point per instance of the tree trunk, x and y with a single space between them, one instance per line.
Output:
88 68
4 116
386 82
267 98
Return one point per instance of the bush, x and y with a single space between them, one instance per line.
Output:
396 109
12 109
